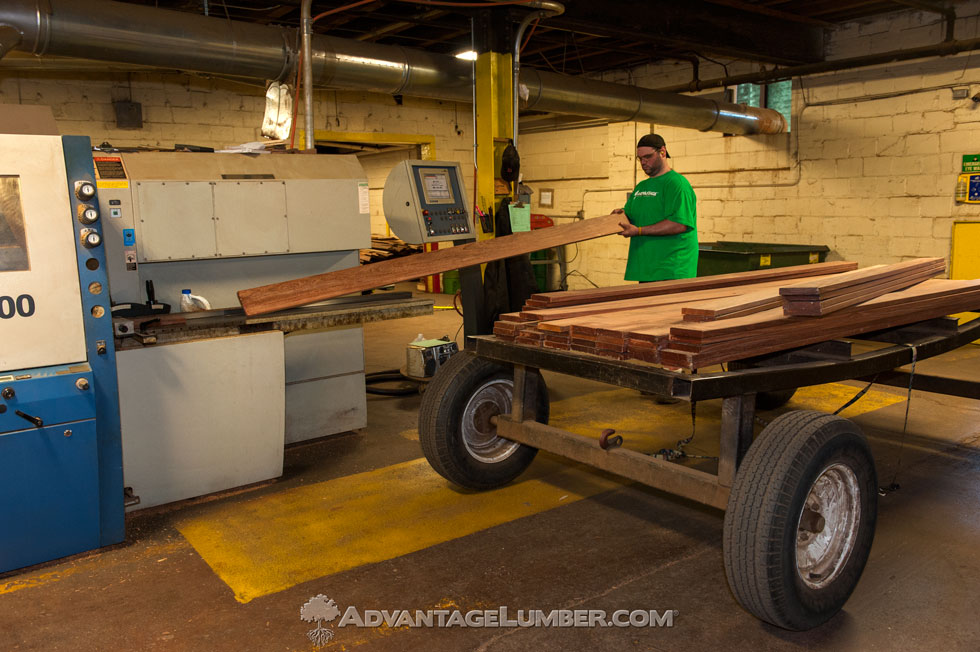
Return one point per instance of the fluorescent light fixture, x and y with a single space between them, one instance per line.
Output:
468 55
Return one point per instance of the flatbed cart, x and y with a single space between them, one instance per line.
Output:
800 502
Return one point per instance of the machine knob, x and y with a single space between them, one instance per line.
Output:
91 238
87 214
84 190
82 384
7 393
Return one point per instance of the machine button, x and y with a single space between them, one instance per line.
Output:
84 190
87 214
90 238
7 393
82 384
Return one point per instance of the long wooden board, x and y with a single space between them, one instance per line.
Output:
830 287
298 292
595 295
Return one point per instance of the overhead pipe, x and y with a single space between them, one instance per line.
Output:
118 32
942 49
306 24
554 93
546 9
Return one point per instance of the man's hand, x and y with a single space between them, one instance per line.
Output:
629 230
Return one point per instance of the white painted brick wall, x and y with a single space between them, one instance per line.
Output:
870 172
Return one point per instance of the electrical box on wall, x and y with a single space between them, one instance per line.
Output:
968 189
968 183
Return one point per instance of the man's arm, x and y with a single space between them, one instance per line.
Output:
663 227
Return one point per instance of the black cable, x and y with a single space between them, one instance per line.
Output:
387 376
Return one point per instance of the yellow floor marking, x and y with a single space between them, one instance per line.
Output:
267 544
36 579
828 398
67 569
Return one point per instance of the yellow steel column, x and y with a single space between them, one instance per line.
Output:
494 120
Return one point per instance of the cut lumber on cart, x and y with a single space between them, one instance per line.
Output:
827 295
660 329
596 295
298 292
819 296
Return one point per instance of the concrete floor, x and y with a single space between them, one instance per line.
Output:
360 519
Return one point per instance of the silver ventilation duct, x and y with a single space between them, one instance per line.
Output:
127 33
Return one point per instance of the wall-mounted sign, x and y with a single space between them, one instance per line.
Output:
971 163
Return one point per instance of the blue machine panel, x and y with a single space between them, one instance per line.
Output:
61 487
60 515
53 394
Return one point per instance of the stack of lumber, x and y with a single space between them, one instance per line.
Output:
823 297
699 326
384 248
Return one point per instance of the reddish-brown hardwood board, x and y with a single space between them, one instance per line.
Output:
298 292
856 294
727 328
592 295
841 282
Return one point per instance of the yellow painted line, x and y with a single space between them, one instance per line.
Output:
119 560
36 579
267 544
828 398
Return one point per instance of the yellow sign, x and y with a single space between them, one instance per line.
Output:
105 183
765 260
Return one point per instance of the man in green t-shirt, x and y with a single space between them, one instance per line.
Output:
661 219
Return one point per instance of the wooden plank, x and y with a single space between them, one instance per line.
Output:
827 287
593 295
791 332
856 294
728 328
298 292
581 310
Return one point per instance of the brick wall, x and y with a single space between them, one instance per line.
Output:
869 168
196 110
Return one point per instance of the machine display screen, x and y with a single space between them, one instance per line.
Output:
436 186
13 242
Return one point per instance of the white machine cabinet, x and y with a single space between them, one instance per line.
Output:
216 224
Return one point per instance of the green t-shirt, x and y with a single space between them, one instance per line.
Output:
663 257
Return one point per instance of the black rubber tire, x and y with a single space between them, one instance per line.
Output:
440 423
763 517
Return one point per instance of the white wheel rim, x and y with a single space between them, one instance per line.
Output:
479 434
827 526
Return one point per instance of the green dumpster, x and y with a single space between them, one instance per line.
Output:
725 256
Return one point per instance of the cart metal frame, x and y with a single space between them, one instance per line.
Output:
827 362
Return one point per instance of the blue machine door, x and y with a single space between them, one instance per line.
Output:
49 493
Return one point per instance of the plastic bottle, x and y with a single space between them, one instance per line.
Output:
192 302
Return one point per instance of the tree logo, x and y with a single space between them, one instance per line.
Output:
319 609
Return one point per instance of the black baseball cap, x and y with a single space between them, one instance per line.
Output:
653 140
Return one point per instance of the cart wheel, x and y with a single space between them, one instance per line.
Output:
800 519
455 430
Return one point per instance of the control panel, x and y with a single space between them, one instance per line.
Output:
425 201
60 443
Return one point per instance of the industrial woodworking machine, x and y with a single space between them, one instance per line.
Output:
208 400
61 480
